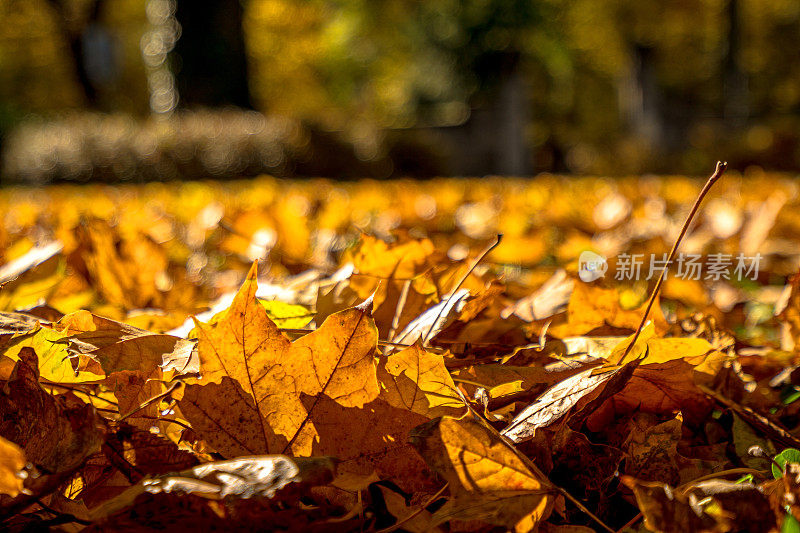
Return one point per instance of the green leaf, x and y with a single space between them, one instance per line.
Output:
287 316
790 523
54 357
789 455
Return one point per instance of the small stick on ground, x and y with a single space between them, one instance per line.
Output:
417 512
474 264
718 172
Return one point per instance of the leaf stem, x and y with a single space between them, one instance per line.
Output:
417 512
630 523
474 264
718 172
582 507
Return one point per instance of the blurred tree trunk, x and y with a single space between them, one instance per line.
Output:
735 105
512 119
73 27
640 98
212 65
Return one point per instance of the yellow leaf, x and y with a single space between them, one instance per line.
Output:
489 480
591 307
55 363
12 461
638 350
116 345
417 380
289 316
335 360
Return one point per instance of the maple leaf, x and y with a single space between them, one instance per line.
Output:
247 347
417 380
228 419
370 438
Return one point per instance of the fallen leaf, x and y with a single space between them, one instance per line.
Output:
138 453
417 380
489 480
54 357
551 298
118 346
244 477
435 319
399 508
336 360
56 432
714 505
574 393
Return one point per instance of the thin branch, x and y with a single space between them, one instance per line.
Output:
398 310
583 508
472 267
630 523
413 515
61 518
718 172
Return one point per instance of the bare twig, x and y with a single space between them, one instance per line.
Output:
398 310
417 512
718 172
630 523
474 264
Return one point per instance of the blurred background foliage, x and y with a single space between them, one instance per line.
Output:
143 89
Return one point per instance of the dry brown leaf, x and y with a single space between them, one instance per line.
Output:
56 432
244 477
116 345
551 298
138 453
716 505
574 393
666 381
433 320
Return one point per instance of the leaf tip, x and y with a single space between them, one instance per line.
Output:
252 274
366 306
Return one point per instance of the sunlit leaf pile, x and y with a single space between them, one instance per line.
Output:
322 356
